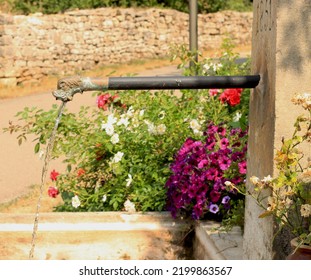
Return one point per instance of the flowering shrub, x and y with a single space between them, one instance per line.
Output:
200 170
287 196
120 153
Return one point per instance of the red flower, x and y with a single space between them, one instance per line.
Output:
232 96
54 174
102 101
80 172
53 192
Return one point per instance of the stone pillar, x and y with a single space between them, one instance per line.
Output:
281 54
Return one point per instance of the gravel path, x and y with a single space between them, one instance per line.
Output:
20 167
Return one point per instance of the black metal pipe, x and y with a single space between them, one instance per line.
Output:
182 82
68 87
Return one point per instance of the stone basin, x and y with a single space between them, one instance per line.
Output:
115 236
94 236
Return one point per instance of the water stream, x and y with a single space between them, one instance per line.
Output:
47 158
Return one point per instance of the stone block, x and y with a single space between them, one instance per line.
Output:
8 82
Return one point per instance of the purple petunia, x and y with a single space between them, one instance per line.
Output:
213 208
225 199
214 195
224 143
224 162
200 170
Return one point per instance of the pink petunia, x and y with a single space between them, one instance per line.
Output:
214 195
242 167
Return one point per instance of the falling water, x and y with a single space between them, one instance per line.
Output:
48 153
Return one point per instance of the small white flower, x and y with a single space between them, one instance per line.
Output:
305 210
237 116
123 121
267 179
141 113
228 183
108 127
129 180
151 127
197 132
104 199
161 129
254 180
117 157
195 125
115 138
129 206
130 112
211 66
111 119
75 201
109 130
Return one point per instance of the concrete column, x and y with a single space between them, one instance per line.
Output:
281 54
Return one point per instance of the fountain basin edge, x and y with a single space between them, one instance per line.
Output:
114 236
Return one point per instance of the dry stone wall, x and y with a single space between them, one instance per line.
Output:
35 46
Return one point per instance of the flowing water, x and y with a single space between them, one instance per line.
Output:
47 158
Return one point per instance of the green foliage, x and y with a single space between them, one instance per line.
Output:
287 196
56 6
118 154
225 64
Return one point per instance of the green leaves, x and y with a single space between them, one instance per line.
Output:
124 154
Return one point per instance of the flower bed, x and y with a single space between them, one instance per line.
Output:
128 153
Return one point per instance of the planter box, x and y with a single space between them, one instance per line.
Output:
108 236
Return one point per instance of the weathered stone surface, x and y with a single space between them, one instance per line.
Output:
67 42
8 82
281 55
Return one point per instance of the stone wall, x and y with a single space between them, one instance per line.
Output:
35 46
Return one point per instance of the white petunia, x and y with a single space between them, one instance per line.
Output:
104 199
